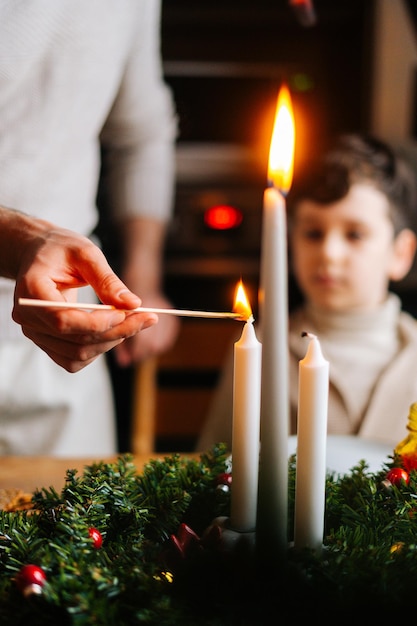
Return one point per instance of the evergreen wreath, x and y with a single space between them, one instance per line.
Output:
120 548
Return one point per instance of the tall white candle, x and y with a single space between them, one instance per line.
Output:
245 442
310 479
273 470
271 525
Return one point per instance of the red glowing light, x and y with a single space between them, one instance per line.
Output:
222 217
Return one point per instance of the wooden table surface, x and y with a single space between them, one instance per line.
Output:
30 473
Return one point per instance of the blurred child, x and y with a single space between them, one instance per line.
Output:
350 235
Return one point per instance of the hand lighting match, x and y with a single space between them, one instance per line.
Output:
93 307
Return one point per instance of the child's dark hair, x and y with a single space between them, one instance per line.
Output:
362 158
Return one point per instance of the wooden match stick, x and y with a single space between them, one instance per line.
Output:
93 307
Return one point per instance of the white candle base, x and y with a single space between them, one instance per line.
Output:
318 550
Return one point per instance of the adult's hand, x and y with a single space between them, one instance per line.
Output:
50 263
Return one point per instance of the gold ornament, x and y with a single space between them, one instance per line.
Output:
409 445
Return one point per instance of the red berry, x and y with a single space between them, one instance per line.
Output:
224 479
96 536
397 475
30 579
409 461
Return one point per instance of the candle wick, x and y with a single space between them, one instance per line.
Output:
309 335
270 184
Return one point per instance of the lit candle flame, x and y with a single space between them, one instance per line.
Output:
241 305
281 152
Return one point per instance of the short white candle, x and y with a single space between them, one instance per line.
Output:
246 418
310 482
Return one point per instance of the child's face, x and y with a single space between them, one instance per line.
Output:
342 252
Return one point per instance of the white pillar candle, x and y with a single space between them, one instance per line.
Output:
245 442
310 481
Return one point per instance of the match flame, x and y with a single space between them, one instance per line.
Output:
242 306
281 152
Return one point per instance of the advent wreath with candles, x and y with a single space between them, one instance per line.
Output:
115 547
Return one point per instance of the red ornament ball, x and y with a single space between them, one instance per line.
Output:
96 536
397 475
30 579
224 482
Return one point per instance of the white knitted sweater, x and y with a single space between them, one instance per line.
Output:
73 74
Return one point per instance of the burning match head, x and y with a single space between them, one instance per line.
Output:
242 308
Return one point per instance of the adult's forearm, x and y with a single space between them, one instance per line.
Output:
143 247
16 230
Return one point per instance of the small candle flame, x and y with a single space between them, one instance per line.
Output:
241 305
281 152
